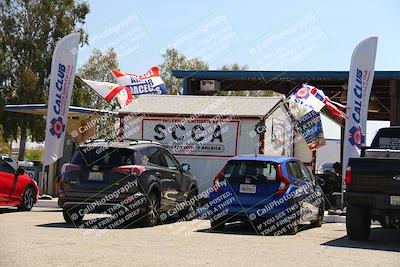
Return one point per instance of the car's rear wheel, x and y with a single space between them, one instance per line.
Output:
318 222
72 216
153 204
28 199
217 224
358 223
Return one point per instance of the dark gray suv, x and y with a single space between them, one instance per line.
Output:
139 177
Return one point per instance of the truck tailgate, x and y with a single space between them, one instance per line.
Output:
381 175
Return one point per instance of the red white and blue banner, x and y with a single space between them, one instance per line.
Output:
308 123
110 90
62 76
361 76
316 100
149 83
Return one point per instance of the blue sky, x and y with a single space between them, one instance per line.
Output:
142 29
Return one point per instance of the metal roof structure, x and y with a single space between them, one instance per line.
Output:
41 109
385 88
186 105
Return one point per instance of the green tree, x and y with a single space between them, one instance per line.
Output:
29 30
97 69
34 155
175 60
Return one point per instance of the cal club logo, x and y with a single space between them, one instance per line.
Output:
356 137
303 93
57 127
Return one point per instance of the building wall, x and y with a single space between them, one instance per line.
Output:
281 139
278 137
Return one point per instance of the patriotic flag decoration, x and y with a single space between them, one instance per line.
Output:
110 90
148 83
308 123
316 99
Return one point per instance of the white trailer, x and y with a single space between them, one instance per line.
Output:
205 131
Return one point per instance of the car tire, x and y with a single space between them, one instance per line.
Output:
72 216
188 212
153 204
293 230
28 199
318 222
358 223
217 225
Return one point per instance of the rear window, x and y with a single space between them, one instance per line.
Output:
251 168
104 156
387 138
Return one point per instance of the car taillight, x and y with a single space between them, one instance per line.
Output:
136 170
284 182
220 176
347 178
68 167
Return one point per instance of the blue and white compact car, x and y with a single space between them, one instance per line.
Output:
272 193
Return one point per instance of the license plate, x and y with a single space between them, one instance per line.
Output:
247 188
95 176
395 200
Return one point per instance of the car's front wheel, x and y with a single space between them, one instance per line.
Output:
189 212
217 224
28 199
358 223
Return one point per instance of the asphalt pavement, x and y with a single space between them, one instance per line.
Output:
41 238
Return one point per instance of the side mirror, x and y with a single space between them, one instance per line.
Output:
20 171
185 167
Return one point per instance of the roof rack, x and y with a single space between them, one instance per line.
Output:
139 141
97 140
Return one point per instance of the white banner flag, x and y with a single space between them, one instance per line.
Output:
361 76
62 76
110 90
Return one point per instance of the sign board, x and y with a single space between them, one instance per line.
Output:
194 137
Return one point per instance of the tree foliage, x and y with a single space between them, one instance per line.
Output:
175 60
29 30
97 69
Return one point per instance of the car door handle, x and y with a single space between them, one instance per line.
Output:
158 174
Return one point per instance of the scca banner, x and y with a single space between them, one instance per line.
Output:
149 83
62 76
200 137
361 76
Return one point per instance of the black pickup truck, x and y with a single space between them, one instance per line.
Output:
373 185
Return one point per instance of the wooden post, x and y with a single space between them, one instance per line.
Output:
394 109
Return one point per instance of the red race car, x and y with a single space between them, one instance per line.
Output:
16 188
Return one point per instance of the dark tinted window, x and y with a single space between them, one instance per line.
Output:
169 161
294 170
251 168
387 138
152 155
5 167
104 156
306 175
299 171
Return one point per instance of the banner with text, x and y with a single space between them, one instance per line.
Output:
361 76
62 76
199 137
